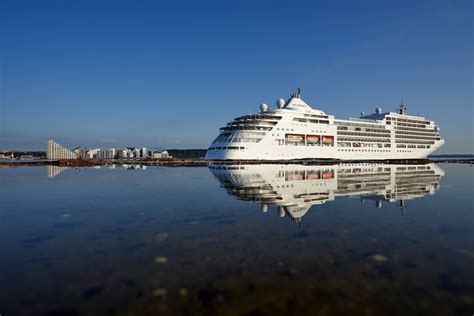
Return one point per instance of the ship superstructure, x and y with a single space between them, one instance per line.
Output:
293 189
294 130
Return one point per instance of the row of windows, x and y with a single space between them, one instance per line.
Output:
412 146
339 123
421 142
413 129
357 139
227 148
407 120
362 134
282 142
349 144
250 137
416 137
409 125
375 130
415 133
366 150
378 130
409 168
245 128
251 123
303 120
258 116
315 115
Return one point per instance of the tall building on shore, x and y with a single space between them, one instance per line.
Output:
56 151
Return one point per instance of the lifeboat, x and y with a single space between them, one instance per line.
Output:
294 138
292 176
328 139
328 174
313 175
312 138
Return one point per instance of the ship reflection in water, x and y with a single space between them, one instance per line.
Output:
293 189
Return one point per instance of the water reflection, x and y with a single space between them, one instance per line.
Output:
54 171
294 189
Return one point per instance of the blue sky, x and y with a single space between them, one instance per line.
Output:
169 74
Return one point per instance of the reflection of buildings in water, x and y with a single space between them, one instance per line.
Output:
53 171
134 166
293 189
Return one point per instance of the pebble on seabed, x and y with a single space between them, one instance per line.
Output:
161 260
159 292
379 258
183 292
162 236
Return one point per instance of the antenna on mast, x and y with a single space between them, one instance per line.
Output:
296 94
403 108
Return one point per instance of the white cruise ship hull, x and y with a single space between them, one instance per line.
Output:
262 152
295 131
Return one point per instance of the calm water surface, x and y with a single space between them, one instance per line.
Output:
245 240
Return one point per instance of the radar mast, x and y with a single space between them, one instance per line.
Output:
403 108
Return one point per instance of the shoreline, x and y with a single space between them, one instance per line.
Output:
203 163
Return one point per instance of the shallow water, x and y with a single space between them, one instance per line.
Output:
246 240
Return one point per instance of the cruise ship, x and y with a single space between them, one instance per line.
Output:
294 130
293 189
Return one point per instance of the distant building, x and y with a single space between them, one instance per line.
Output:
80 153
136 153
110 153
160 154
56 151
123 153
92 153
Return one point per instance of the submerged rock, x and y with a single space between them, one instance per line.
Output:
379 258
161 260
159 292
162 236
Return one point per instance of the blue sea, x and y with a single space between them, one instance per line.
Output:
348 239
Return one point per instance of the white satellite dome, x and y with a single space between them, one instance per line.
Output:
378 110
263 107
281 211
280 103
